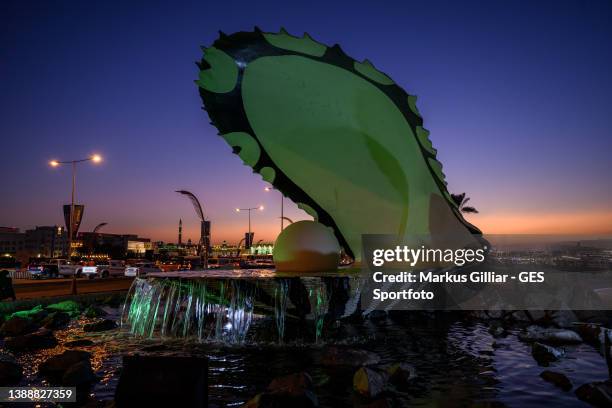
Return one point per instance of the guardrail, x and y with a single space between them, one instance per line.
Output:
19 274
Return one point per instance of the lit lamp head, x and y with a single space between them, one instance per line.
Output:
261 207
96 158
267 189
53 163
237 209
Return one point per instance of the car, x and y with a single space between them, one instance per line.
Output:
107 269
53 268
68 268
43 270
141 269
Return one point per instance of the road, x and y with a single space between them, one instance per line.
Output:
35 288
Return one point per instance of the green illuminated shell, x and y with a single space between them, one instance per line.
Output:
337 136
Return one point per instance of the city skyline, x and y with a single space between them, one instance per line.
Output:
519 116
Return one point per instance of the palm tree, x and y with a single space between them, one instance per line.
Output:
461 201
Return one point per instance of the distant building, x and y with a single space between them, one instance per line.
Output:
46 242
113 245
12 241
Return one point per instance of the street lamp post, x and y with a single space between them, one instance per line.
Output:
96 158
282 217
260 208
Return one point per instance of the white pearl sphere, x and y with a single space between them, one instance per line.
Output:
306 246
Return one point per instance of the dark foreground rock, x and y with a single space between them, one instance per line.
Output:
293 390
558 379
79 343
544 354
10 371
55 367
56 320
72 368
590 332
369 382
162 381
401 374
338 356
598 394
94 311
550 335
17 326
100 325
43 338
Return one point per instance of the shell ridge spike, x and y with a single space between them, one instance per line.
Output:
257 29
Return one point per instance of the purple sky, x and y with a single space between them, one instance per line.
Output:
515 95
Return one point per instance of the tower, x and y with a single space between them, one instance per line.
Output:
180 235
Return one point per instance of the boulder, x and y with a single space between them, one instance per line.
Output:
79 374
558 379
10 371
17 326
79 343
400 375
55 367
590 332
544 354
56 320
293 390
100 325
598 394
550 335
43 338
162 381
340 356
93 311
369 382
497 330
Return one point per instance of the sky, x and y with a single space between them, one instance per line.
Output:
514 93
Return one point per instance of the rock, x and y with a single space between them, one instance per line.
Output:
590 332
152 348
56 320
100 325
377 315
55 367
598 394
558 379
93 311
10 371
293 390
79 343
43 338
79 374
497 330
544 354
550 336
162 381
17 326
401 374
338 356
369 382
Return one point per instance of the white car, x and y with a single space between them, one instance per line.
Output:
141 269
112 268
67 268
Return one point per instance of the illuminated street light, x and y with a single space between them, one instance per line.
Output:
282 216
96 158
260 208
